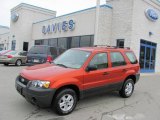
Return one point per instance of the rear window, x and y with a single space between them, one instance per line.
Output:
11 53
38 50
131 57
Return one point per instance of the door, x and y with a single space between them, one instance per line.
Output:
147 56
23 56
118 69
25 46
99 76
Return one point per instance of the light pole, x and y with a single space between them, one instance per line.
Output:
97 22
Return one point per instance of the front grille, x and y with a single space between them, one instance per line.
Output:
23 80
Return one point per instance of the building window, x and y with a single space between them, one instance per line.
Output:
120 43
92 40
75 42
38 42
62 43
13 45
45 42
53 42
68 42
85 41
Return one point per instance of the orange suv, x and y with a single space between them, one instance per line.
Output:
78 73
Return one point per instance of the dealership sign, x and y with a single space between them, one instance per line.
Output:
59 27
151 14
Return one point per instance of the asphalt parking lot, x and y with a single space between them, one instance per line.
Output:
142 105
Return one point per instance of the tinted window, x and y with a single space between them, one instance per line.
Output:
131 57
117 59
100 61
38 50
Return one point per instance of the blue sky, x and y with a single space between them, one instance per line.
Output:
61 6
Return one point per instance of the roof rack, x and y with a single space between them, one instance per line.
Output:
108 46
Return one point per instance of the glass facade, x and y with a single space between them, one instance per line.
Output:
68 42
147 56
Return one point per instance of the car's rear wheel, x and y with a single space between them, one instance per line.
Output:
18 63
6 64
65 101
127 89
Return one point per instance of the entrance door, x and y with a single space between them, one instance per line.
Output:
147 56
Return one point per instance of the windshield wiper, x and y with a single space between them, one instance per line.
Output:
62 65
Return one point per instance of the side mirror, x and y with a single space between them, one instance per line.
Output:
91 68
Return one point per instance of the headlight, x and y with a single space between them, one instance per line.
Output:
40 84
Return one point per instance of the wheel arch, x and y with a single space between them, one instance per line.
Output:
71 86
133 77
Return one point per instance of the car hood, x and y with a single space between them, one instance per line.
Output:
45 72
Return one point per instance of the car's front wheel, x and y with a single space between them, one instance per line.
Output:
65 101
127 89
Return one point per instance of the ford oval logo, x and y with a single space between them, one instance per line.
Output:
151 14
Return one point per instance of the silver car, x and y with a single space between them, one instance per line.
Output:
14 57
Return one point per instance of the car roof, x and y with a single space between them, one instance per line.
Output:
102 49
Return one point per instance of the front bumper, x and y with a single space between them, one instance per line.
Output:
40 97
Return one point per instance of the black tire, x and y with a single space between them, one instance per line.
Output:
18 63
58 98
6 64
123 92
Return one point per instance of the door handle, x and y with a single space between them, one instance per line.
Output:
105 73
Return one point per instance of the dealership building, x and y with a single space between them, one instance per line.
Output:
122 23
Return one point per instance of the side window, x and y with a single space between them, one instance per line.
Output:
23 53
117 59
100 61
131 57
20 53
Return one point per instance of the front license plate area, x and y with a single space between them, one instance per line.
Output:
36 61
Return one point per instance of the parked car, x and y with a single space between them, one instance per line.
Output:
14 57
42 53
78 73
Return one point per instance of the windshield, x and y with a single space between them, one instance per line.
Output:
38 50
72 58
